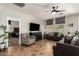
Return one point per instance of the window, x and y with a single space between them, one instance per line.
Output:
60 20
49 22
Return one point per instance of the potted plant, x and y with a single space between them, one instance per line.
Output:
5 35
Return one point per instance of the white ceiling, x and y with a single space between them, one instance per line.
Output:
38 9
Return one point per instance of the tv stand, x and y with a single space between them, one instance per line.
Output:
38 35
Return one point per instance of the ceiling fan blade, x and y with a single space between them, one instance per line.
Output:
53 10
47 11
60 10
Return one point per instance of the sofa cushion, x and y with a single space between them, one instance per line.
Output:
74 40
24 36
51 34
55 33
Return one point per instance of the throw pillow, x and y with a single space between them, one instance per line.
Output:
67 40
74 40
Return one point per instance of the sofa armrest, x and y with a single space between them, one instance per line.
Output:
55 51
32 37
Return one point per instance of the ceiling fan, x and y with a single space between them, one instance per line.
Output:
55 10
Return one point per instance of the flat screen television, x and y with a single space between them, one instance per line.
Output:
34 27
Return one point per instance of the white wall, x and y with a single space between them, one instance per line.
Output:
7 13
72 19
25 18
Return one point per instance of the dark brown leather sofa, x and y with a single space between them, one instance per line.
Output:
63 49
54 37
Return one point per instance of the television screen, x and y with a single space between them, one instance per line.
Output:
34 27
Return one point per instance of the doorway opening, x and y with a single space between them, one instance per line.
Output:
13 29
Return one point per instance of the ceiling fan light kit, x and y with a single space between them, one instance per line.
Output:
53 13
